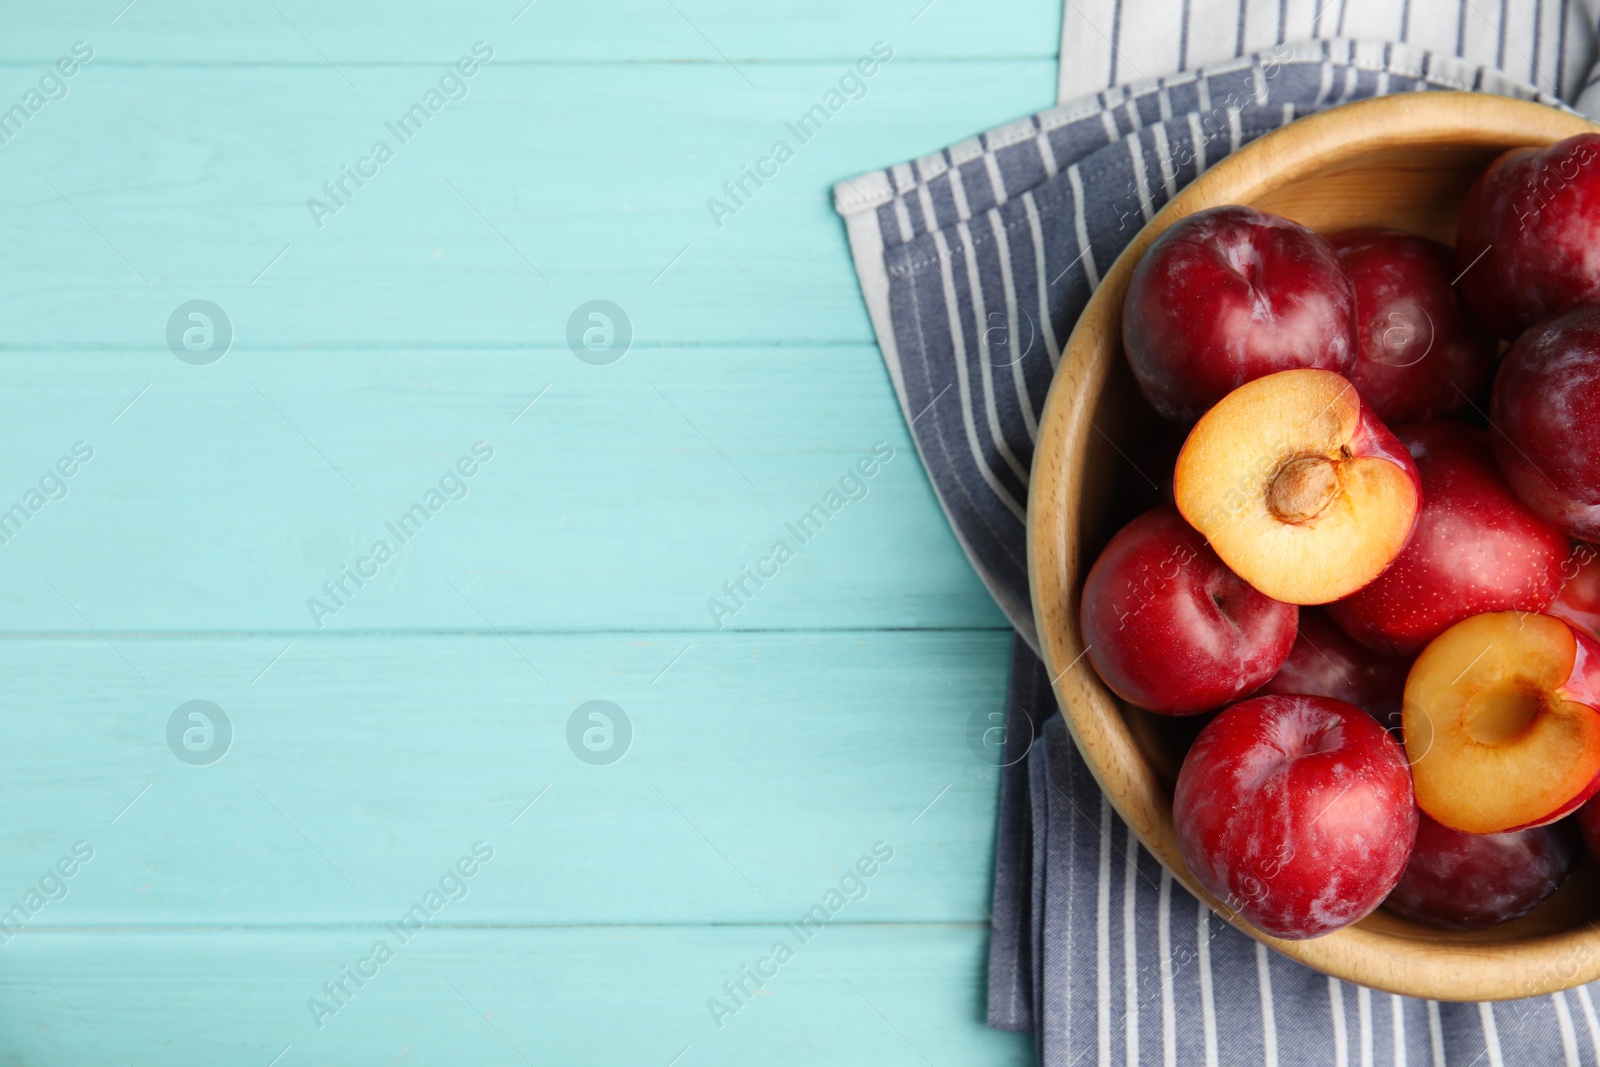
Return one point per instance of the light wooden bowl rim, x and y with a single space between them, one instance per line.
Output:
1420 966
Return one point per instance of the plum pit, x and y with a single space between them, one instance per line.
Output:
1303 487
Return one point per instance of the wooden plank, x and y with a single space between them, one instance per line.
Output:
760 768
356 31
853 994
544 188
626 498
432 710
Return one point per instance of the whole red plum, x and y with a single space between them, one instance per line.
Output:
1170 628
1545 409
1326 662
1420 353
1297 812
1229 295
1461 881
1528 242
1475 548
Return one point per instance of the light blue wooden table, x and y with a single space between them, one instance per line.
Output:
229 907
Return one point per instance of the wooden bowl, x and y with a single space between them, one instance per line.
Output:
1403 161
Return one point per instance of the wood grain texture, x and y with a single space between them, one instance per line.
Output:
761 766
854 994
299 32
545 187
1404 161
828 713
625 498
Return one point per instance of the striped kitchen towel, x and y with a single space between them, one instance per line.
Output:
1107 42
975 262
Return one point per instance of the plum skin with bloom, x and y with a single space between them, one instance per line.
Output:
1460 881
1528 243
1543 406
1327 662
1228 295
1297 812
1588 820
1420 353
1578 603
1475 548
1170 628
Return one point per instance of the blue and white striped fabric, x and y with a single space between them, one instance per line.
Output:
975 262
1549 45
